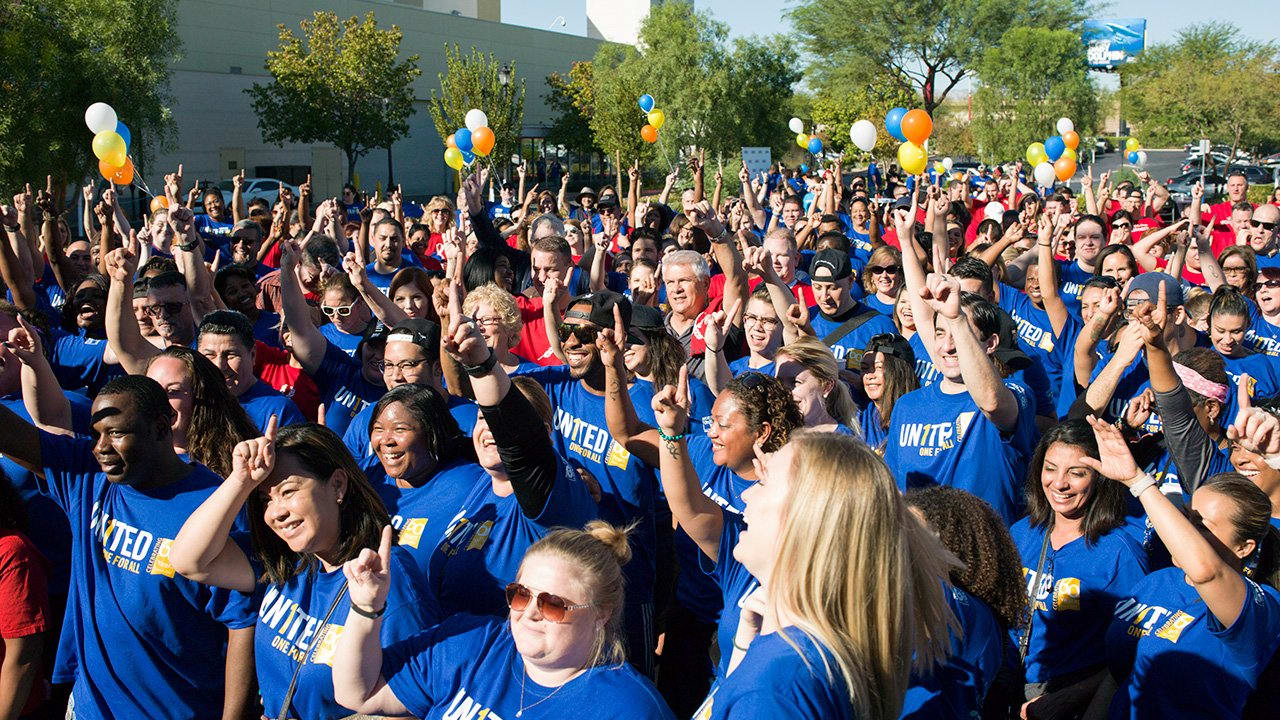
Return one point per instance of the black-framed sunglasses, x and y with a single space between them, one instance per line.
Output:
1268 226
1272 284
878 269
551 607
164 309
586 334
753 380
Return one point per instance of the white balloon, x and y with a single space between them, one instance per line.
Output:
863 134
1065 125
947 163
476 119
796 125
1045 174
515 159
994 211
1142 158
100 117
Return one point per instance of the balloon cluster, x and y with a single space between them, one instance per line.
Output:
655 117
812 143
468 142
111 140
912 128
1055 158
1134 153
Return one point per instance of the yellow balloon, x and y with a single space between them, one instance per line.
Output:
1132 144
912 158
802 140
109 146
453 158
1068 152
657 118
1036 154
939 169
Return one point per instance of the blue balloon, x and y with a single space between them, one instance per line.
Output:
1133 157
893 123
804 168
462 138
123 131
468 157
815 145
646 102
1054 147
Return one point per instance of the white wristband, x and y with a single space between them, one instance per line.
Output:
1138 487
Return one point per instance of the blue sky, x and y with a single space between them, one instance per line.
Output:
1258 19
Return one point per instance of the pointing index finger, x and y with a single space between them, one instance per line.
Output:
1242 392
272 426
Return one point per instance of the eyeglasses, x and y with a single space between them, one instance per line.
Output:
586 334
163 309
493 320
332 311
759 319
877 269
1268 226
551 607
1236 269
402 366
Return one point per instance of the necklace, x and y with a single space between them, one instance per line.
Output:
524 677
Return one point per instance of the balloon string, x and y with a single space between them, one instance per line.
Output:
665 155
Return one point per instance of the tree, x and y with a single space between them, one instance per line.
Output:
343 84
837 111
1209 82
475 81
1030 79
615 119
926 46
573 99
59 56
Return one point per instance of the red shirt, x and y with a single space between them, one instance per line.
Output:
1188 274
24 598
271 364
533 345
802 290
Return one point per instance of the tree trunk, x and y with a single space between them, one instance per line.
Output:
1231 159
351 165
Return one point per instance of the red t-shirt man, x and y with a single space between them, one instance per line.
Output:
271 365
24 600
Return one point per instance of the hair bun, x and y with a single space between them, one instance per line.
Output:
613 537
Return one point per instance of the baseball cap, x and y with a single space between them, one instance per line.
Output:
1150 282
586 191
607 201
420 331
1008 351
903 202
597 308
892 344
830 266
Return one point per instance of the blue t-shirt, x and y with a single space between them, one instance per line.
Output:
959 687
143 637
936 438
736 583
628 486
856 340
1265 381
1071 280
1074 596
79 362
926 372
46 522
774 680
1172 657
697 589
356 436
743 364
420 514
875 303
267 328
216 234
261 401
869 421
485 542
1064 349
382 280
1035 336
1261 336
291 628
498 210
349 343
700 397
343 388
468 667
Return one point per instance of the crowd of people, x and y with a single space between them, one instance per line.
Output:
840 445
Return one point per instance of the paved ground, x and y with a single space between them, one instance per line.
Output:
1162 164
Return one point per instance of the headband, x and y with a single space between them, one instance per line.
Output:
1197 383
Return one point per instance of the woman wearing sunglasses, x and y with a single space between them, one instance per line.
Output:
310 510
557 654
882 279
349 315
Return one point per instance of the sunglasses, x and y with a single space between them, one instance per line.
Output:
1272 284
332 311
1268 226
586 334
88 296
1123 226
551 607
877 269
163 309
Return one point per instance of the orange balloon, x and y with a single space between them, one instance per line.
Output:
1064 168
649 133
482 141
159 203
106 170
449 141
917 126
123 175
1071 139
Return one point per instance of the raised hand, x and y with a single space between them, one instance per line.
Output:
942 293
253 460
671 405
356 272
369 576
87 193
1255 429
1139 410
610 340
1115 461
704 218
797 314
122 263
758 261
24 342
633 172
237 180
1153 317
305 188
465 343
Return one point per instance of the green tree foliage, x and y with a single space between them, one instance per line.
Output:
1030 79
59 56
572 97
341 83
473 81
926 46
1209 82
837 111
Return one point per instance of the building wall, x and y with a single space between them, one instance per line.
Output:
617 20
224 50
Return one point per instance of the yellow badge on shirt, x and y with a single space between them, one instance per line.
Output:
159 563
618 455
411 531
1174 626
327 645
1066 594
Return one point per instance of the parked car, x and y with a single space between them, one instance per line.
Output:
1180 187
265 188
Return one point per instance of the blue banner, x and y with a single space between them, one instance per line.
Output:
1113 42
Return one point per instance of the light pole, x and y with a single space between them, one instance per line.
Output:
391 175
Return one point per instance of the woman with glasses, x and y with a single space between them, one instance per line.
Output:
310 510
882 279
559 652
1239 266
350 318
888 373
494 311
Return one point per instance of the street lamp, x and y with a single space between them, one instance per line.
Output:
391 175
504 75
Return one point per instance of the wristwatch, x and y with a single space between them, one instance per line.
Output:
483 368
189 246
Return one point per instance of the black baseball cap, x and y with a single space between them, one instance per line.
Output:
608 201
597 308
892 344
830 266
1008 351
420 331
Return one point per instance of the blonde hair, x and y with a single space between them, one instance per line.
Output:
859 574
878 257
598 551
502 303
816 357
